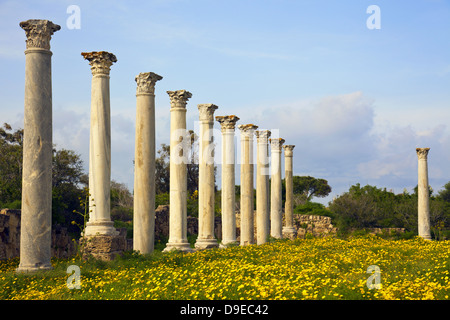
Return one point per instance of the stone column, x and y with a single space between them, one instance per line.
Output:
206 183
36 217
289 229
262 187
247 212
100 146
179 145
144 164
228 124
276 213
423 195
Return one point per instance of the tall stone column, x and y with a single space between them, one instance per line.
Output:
228 124
36 217
144 164
423 195
179 143
262 187
206 183
276 213
100 145
247 214
289 229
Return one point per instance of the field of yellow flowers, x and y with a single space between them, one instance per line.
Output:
319 268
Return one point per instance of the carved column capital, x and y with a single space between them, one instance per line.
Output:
276 144
288 150
247 130
262 136
206 111
39 33
146 82
422 153
100 61
179 98
227 122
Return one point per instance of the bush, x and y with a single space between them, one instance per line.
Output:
312 208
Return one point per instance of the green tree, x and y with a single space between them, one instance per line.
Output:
311 187
11 148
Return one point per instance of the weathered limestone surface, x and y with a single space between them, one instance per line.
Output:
262 187
276 212
247 214
423 194
100 145
288 230
206 183
144 164
35 251
179 141
228 124
104 247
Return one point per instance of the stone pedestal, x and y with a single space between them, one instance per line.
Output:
262 187
179 145
289 230
206 183
36 219
247 213
276 213
144 164
423 195
228 124
104 247
100 145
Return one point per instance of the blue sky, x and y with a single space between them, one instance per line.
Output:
356 102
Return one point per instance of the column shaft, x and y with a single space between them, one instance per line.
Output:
144 164
423 195
247 204
289 228
262 187
206 183
228 180
179 144
36 216
100 146
276 190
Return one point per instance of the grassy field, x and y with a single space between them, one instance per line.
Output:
320 268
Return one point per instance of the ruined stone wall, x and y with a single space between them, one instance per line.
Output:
62 244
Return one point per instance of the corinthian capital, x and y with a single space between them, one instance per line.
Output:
288 150
39 33
276 144
179 98
262 136
422 153
227 122
247 130
146 82
100 61
206 111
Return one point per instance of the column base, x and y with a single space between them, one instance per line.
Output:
425 236
206 244
33 268
289 232
228 244
102 228
181 246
